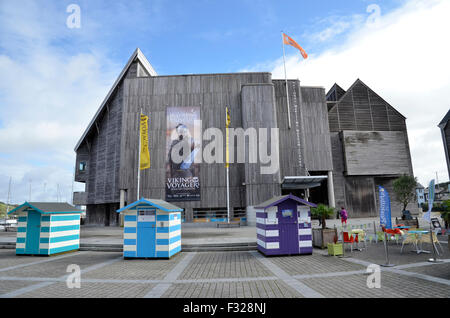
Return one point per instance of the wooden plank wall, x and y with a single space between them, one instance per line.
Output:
338 169
312 116
292 157
316 133
260 187
212 93
375 153
446 140
381 154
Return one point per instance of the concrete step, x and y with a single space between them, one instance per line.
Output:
7 245
211 247
219 249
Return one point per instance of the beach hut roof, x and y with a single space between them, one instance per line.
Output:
160 204
279 199
47 208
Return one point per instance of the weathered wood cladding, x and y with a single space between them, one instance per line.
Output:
375 153
362 109
446 140
82 156
311 118
338 168
335 93
260 187
212 93
104 156
101 148
370 147
316 132
360 199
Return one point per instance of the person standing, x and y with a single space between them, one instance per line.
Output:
344 215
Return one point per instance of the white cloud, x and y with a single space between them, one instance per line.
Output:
48 95
403 56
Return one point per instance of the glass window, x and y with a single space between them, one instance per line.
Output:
82 166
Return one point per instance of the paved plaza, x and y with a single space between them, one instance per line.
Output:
238 274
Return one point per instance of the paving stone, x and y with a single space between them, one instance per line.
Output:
144 269
313 264
9 286
224 265
435 270
253 289
9 258
226 275
392 286
91 290
58 267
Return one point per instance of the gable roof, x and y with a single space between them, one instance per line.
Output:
335 93
282 198
445 120
160 204
358 81
47 208
136 56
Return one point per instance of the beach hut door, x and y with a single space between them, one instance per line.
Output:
146 233
287 219
33 233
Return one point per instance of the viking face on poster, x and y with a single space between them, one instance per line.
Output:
182 173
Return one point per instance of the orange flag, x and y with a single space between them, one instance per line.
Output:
289 41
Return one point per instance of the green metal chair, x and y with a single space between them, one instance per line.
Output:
380 236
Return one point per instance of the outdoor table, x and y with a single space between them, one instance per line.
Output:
419 234
402 227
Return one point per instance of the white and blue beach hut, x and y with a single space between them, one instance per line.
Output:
46 228
152 229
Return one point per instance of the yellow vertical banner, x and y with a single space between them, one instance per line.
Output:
227 124
144 152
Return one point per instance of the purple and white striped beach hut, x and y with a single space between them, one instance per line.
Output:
283 226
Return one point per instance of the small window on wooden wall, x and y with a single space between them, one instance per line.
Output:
82 166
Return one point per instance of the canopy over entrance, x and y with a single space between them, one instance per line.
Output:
302 182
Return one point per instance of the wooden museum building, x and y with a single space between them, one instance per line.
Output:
332 148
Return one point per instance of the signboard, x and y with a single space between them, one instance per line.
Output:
182 146
436 224
385 208
427 215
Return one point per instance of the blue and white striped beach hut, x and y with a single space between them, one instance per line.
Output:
152 229
46 228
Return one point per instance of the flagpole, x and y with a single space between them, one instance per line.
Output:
139 157
285 77
227 166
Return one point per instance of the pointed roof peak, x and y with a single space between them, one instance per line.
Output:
136 56
444 120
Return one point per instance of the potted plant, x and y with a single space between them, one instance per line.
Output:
323 236
335 248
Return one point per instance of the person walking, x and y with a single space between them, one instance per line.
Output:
344 216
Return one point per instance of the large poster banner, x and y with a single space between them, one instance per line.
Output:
385 208
182 173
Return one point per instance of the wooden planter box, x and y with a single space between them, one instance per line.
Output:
335 249
321 237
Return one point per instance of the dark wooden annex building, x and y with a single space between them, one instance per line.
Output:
445 132
370 147
332 148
